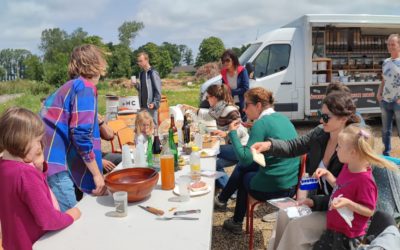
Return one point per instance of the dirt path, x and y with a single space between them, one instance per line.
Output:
5 98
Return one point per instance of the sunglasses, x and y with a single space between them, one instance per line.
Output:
325 117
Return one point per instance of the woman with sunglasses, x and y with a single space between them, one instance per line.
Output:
235 77
338 110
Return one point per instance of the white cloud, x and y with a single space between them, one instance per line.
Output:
179 21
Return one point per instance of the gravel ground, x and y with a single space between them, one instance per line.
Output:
221 239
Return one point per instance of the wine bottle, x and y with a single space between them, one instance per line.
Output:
156 149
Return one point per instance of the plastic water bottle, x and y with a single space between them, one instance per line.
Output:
126 157
140 159
195 164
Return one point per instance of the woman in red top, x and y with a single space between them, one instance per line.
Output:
235 77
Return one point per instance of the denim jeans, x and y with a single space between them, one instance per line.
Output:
225 158
63 188
389 109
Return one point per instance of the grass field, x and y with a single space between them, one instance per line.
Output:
34 91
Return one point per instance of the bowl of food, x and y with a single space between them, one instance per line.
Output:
137 182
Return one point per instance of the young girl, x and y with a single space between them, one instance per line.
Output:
26 211
354 197
144 128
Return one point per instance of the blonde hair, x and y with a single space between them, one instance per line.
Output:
362 140
140 119
87 61
18 128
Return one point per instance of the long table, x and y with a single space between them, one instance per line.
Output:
139 229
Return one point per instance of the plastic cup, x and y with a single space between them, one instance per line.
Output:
133 79
184 188
167 172
121 203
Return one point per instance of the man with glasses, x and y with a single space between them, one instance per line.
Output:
149 87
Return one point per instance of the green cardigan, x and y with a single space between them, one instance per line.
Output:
280 173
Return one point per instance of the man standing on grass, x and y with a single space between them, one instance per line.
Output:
149 87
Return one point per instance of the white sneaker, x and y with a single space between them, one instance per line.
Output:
270 217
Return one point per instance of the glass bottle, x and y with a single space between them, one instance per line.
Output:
186 131
149 152
156 149
167 167
174 130
171 143
195 164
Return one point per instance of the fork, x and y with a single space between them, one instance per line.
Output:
176 218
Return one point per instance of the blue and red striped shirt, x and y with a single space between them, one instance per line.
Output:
72 135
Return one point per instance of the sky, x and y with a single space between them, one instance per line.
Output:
175 21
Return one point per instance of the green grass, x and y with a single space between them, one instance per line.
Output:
33 92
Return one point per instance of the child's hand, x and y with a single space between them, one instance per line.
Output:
108 165
306 201
339 202
74 212
100 185
320 172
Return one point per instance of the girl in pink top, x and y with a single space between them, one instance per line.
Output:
354 197
26 211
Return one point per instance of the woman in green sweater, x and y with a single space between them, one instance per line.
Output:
278 178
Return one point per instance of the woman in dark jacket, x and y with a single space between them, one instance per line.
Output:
338 111
235 77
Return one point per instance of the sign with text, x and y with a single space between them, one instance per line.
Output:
129 103
364 96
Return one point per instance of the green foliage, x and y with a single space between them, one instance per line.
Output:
2 73
41 88
12 61
56 72
34 68
128 32
159 59
210 50
119 63
53 42
239 51
173 51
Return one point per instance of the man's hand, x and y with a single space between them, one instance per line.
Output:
100 186
108 165
261 146
151 106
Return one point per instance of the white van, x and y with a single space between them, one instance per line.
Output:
298 61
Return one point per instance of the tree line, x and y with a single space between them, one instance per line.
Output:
56 46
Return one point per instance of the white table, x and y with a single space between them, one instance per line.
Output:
140 229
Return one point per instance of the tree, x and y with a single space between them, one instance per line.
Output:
239 51
12 61
128 32
210 50
173 51
119 64
188 56
53 42
34 68
2 73
56 71
159 59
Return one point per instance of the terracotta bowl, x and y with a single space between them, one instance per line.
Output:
138 182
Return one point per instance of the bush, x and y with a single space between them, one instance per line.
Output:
208 71
41 88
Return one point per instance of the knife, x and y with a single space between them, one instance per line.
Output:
194 211
152 210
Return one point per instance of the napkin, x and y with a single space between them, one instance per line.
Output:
258 157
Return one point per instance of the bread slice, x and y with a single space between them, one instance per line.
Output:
258 158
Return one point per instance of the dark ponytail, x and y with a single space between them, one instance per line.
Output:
221 92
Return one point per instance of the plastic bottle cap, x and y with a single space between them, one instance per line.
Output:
195 149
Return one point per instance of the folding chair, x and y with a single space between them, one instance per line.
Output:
116 125
253 203
125 136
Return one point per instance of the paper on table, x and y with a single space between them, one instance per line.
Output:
215 174
258 157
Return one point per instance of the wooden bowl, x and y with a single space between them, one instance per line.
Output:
138 182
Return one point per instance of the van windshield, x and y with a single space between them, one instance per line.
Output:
244 58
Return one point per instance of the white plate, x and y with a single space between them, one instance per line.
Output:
201 192
211 152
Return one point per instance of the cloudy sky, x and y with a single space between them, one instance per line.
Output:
175 21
